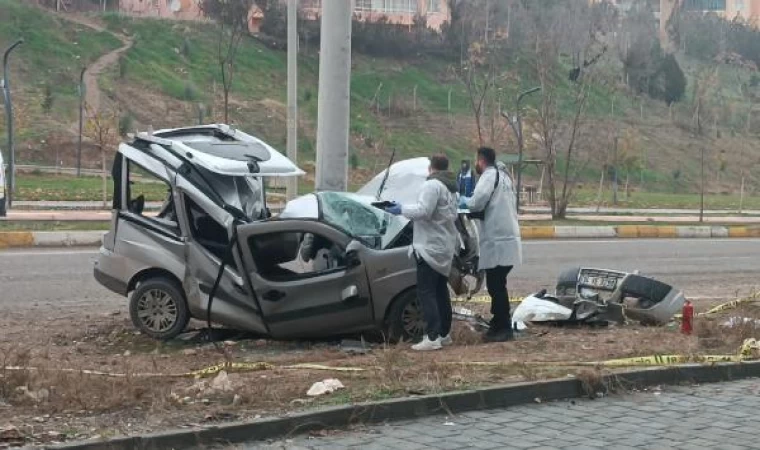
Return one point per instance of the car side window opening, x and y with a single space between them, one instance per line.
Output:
293 255
206 231
142 187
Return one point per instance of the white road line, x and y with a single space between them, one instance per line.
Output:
5 254
633 241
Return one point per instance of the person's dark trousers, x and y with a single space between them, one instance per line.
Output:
433 292
443 300
496 283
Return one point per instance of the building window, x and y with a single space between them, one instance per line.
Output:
434 6
387 6
364 5
706 5
402 6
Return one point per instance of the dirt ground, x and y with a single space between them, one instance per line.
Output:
50 404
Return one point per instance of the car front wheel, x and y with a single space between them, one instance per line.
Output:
405 321
158 308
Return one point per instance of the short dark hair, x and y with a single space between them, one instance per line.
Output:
488 155
439 163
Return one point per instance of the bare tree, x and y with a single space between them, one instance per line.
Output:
479 74
563 28
480 30
232 22
102 127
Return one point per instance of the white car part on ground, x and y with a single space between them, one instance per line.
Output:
534 309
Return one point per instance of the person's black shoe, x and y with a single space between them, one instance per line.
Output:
499 335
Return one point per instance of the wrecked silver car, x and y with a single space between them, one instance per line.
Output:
330 264
600 296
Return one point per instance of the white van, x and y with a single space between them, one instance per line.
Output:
2 186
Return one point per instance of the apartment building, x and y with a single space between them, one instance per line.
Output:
401 12
166 9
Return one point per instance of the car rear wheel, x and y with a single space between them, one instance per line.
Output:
405 321
158 309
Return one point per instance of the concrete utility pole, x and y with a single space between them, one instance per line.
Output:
82 88
615 172
334 96
9 125
292 139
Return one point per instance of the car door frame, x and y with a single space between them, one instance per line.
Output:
279 326
233 304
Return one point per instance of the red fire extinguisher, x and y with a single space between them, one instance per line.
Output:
687 318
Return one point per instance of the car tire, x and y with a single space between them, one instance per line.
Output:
158 308
405 321
567 282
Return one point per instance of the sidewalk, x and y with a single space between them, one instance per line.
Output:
585 210
59 216
69 205
690 417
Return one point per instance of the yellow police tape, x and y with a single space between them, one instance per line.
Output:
483 299
747 352
733 304
232 367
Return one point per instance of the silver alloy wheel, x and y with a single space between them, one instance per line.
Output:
157 310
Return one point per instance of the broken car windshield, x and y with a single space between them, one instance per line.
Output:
373 226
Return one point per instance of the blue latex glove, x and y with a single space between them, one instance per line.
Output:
394 209
463 202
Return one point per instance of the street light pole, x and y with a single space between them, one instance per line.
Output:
82 88
516 124
292 138
9 120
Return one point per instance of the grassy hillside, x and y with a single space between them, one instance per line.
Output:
172 70
46 65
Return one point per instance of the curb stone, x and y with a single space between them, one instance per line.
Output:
639 231
19 239
416 407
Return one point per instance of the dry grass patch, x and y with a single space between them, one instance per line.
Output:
73 405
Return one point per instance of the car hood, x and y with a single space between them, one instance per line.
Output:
404 181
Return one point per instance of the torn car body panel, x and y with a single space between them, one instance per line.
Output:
603 296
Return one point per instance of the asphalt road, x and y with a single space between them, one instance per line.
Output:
702 268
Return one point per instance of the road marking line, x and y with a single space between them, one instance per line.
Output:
49 253
632 241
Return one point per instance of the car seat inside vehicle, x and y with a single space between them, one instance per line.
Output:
137 206
321 253
272 251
